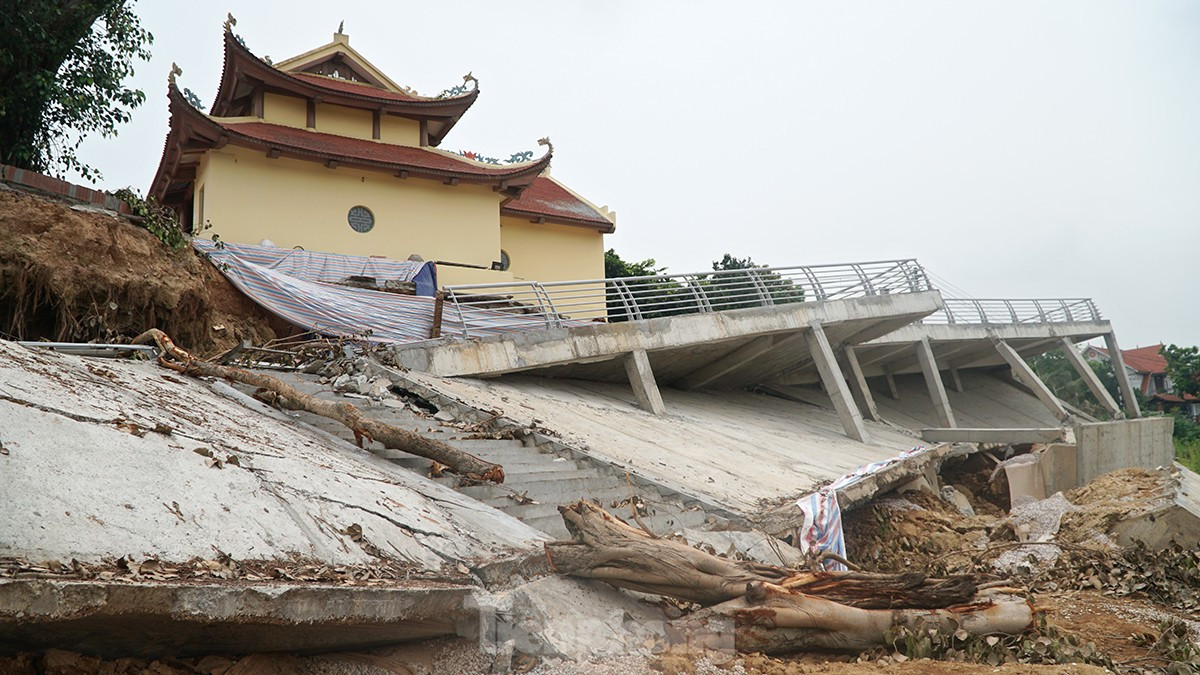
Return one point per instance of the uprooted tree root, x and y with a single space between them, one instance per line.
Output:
776 610
447 457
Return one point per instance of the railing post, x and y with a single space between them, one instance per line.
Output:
466 333
1066 310
632 311
764 295
552 318
1041 313
702 302
1012 311
983 317
862 276
816 284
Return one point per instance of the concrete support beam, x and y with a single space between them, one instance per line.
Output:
893 390
747 353
933 381
1118 363
1089 377
1030 379
858 385
641 378
835 384
1011 436
956 380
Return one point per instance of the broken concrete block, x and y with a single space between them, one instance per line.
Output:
953 496
570 618
754 544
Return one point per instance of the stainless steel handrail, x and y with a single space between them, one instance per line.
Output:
531 305
980 311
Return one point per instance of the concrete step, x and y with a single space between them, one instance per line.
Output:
521 481
544 466
524 512
551 525
555 492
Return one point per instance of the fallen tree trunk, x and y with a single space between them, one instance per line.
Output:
451 458
773 609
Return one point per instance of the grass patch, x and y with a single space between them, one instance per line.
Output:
1187 453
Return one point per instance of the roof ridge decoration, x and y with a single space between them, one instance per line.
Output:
461 89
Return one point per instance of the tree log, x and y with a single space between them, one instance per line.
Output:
455 460
774 609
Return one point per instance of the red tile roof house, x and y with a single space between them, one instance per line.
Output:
1145 367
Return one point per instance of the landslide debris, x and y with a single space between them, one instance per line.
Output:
72 275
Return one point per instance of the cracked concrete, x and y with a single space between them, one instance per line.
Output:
88 477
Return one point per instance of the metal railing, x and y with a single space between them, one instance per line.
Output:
975 311
524 305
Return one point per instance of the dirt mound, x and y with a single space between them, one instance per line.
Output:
80 276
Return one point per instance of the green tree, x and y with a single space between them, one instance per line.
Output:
1059 375
615 267
62 65
654 297
735 291
1183 368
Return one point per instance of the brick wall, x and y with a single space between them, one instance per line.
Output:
37 182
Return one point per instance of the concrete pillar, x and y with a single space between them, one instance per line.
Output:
835 384
955 380
1089 377
641 378
933 382
1030 379
1118 364
858 385
893 391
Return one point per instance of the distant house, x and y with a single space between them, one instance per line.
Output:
1145 368
1185 404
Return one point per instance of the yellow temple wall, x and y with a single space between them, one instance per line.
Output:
290 111
343 121
551 252
399 130
249 197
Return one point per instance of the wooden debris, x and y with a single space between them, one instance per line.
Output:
774 609
364 428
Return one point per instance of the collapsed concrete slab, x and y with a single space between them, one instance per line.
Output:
183 619
107 459
730 448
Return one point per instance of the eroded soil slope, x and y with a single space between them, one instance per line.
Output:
69 275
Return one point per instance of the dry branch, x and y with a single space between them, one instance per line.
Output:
773 609
363 427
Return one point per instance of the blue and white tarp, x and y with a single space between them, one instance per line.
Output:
822 527
327 267
298 287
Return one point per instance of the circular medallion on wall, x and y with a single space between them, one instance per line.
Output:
361 219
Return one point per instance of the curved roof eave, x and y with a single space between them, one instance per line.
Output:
185 118
239 60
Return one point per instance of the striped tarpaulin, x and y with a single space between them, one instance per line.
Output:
329 267
304 299
822 528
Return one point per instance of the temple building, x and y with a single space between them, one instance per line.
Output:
324 152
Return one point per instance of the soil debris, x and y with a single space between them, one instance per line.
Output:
72 276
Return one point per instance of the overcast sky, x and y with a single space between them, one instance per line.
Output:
1017 149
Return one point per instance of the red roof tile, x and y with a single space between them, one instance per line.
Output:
353 87
1172 398
1142 359
352 149
1145 359
545 198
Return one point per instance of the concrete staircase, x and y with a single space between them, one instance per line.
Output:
537 479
